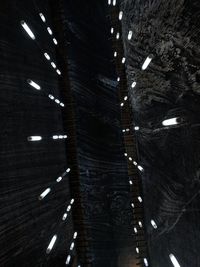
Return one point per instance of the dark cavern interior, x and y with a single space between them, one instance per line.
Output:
100 140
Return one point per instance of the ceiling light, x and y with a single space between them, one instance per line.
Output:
123 60
130 34
64 216
146 63
34 138
153 223
174 260
45 193
115 54
146 262
55 41
117 35
27 29
140 199
49 30
75 235
140 168
58 71
114 2
133 84
120 15
136 128
68 259
33 84
42 17
168 122
112 30
51 244
59 179
47 56
53 65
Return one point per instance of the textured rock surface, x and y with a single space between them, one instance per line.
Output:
169 30
104 181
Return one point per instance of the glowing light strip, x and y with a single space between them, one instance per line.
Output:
51 244
45 193
42 17
34 138
34 84
168 122
146 63
28 30
174 260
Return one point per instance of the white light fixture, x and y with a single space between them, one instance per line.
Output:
132 205
112 30
33 84
42 17
174 260
51 244
68 260
72 246
109 2
45 193
130 158
49 30
122 104
62 105
27 29
123 131
137 250
51 97
125 154
47 56
118 79
117 36
115 54
133 84
120 15
135 163
136 128
125 98
146 63
72 201
34 138
64 216
59 179
140 224
130 182
114 2
68 170
53 65
153 223
58 71
55 41
57 101
135 230
75 235
146 262
69 208
168 122
55 137
65 136
140 168
123 60
130 34
140 199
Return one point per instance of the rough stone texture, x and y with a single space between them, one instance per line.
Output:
169 30
104 180
28 168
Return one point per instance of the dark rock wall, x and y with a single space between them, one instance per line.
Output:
28 168
169 30
104 181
